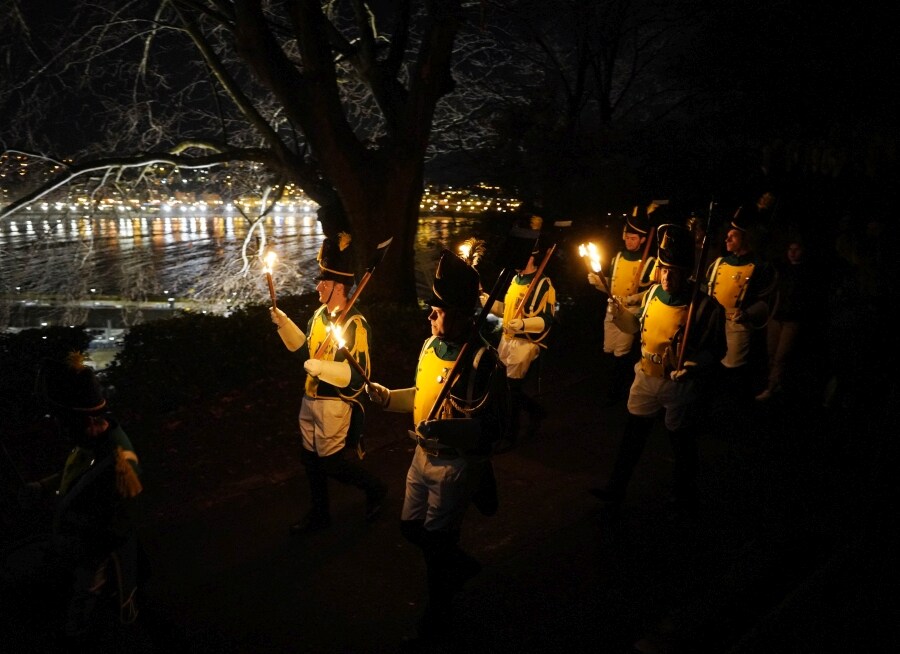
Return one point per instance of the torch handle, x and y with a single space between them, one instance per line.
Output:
271 289
606 288
354 364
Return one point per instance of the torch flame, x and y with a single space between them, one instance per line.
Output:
270 260
592 252
465 249
338 335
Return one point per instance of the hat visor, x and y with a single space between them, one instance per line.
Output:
95 410
674 264
329 276
435 301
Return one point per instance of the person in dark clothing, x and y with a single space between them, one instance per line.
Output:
331 414
797 297
92 539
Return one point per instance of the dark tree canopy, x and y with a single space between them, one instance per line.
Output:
583 105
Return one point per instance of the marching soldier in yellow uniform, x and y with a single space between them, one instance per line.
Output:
744 284
526 327
451 466
630 272
331 412
660 384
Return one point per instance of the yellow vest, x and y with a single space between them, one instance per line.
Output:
660 325
625 280
536 306
431 374
728 284
317 335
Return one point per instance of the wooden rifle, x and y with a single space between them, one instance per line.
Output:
695 293
640 268
520 308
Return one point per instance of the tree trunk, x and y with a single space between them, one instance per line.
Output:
386 205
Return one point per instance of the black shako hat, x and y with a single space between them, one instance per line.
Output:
638 222
534 222
745 218
456 284
334 260
71 385
676 246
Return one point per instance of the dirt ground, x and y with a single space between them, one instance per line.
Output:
788 553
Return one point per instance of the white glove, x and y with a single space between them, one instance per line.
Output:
278 316
336 373
527 325
378 394
291 335
594 280
685 374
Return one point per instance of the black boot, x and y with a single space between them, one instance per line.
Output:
637 431
319 516
447 569
685 498
339 467
516 402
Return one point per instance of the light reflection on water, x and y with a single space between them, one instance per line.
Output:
57 255
140 256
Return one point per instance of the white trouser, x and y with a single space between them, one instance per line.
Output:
324 423
650 394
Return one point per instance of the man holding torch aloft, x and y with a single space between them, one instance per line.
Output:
629 272
682 336
331 413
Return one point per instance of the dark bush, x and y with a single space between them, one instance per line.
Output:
20 357
167 364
